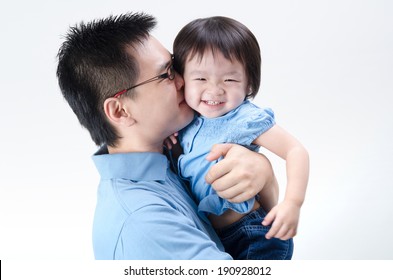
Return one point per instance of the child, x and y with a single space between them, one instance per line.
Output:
220 61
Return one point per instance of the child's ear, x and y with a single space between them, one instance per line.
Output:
249 91
117 113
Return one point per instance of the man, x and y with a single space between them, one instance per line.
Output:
120 82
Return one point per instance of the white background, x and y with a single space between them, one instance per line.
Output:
327 73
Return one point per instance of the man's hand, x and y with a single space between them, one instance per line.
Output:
241 174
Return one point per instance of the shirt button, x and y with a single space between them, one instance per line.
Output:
196 122
188 144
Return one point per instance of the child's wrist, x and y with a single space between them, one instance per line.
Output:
295 201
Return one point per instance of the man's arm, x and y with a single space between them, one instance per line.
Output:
241 174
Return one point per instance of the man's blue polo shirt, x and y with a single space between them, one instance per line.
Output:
144 212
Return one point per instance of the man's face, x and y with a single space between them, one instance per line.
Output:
159 107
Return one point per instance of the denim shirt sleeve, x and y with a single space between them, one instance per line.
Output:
251 123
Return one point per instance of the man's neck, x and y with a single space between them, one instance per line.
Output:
128 148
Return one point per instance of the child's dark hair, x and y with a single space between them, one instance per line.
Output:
232 38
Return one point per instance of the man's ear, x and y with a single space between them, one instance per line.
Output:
117 112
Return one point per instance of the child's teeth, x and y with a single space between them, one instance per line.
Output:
212 102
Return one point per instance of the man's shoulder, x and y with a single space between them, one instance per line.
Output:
135 195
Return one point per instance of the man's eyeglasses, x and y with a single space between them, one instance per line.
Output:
170 74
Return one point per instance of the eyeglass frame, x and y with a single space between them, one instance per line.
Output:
169 74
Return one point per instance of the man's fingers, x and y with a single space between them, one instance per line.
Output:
234 194
218 150
215 175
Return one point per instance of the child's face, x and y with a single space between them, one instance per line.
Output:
214 85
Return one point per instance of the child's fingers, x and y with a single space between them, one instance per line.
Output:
168 143
173 138
273 231
269 220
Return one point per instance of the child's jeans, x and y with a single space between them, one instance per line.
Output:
245 240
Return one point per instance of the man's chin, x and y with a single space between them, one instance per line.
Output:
185 123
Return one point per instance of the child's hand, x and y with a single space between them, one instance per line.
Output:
285 219
171 140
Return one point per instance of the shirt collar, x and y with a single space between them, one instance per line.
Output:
146 166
